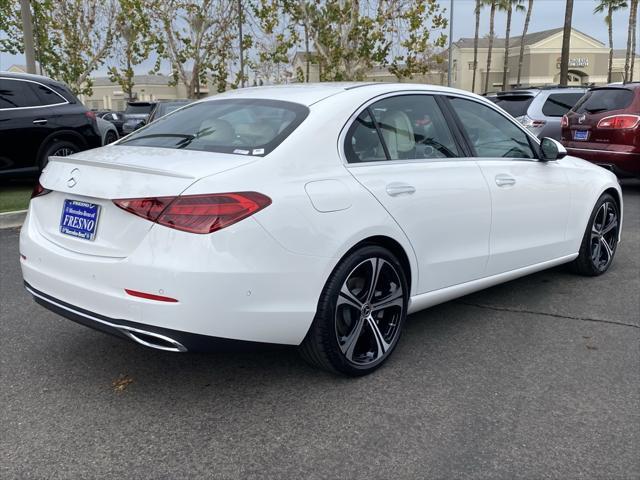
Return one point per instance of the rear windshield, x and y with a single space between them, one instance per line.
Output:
136 109
515 105
560 103
604 99
240 126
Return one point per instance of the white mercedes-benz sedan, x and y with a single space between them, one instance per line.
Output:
311 215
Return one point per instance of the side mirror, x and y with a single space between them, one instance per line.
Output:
552 150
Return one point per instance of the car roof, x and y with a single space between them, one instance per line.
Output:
311 93
32 77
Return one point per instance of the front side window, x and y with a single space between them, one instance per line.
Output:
239 126
405 127
491 134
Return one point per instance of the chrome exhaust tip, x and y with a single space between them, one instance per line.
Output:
152 340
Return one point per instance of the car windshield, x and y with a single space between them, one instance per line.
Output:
240 126
604 99
138 109
515 105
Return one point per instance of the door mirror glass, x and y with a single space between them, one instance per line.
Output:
552 149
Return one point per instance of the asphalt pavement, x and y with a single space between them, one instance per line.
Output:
538 378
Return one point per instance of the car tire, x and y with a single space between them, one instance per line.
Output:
356 328
110 137
600 239
59 148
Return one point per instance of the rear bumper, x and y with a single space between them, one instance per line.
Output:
154 337
623 164
238 284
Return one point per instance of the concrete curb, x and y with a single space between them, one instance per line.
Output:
12 219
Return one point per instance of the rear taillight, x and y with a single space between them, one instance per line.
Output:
564 122
528 122
90 115
619 122
197 213
39 190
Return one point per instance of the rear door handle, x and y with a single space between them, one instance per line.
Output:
397 188
41 121
503 180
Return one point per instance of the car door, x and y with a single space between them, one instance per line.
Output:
402 149
530 198
23 125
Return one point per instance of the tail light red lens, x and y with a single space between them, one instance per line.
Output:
197 213
619 122
39 190
565 121
91 115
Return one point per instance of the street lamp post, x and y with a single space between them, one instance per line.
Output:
27 29
450 42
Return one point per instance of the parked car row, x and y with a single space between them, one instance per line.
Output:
598 124
41 117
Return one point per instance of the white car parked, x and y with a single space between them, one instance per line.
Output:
311 215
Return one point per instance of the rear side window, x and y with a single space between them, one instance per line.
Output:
413 127
240 126
46 96
560 103
405 127
363 142
17 94
514 105
138 109
492 134
604 99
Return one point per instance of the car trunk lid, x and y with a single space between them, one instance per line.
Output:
89 182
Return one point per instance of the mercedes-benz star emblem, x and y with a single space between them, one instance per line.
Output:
73 179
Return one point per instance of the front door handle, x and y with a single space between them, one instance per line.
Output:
41 121
397 188
503 180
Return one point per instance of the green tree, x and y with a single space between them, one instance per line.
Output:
197 37
477 11
11 26
608 7
631 41
525 29
133 42
350 36
508 6
566 42
492 36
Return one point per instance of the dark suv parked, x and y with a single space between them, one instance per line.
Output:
604 128
39 118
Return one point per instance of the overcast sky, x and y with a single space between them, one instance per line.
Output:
547 14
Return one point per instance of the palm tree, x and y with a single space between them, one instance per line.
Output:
610 6
566 42
479 5
524 34
492 18
631 42
509 6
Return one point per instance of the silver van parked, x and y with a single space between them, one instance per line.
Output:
539 109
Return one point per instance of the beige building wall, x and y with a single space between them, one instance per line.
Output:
589 60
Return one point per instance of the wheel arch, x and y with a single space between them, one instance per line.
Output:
66 135
615 193
394 247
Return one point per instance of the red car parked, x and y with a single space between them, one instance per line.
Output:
604 128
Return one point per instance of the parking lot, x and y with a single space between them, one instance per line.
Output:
537 378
